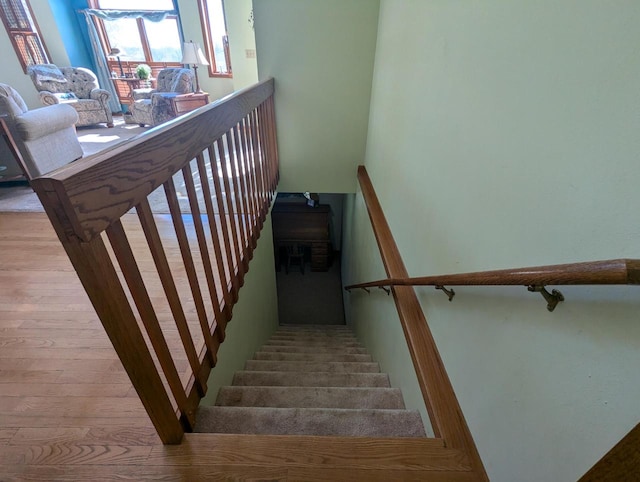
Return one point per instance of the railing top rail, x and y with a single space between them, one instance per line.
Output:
608 272
96 191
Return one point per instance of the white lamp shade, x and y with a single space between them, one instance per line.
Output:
192 54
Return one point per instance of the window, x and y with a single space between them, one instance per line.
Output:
23 31
140 39
216 40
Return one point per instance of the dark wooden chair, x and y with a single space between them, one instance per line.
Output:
295 251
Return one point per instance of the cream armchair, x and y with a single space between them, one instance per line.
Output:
153 106
75 86
46 137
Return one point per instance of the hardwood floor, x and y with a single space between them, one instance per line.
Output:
68 411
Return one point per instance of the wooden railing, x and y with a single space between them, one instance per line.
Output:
444 411
190 258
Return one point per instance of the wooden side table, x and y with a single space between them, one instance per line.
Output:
184 103
131 83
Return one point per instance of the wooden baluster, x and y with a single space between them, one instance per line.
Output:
248 167
259 141
250 179
231 211
168 284
263 163
215 238
259 169
240 211
245 189
133 277
265 148
235 282
204 252
274 137
255 172
189 265
257 165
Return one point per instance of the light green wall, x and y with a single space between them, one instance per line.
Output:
245 69
505 134
12 72
255 316
321 55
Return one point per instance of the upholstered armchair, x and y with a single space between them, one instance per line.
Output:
75 86
153 106
45 137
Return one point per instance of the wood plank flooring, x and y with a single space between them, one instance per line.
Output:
69 413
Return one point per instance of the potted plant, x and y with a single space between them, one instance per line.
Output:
143 71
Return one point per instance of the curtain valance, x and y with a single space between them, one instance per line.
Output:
151 15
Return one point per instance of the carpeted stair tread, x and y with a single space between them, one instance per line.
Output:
311 397
319 357
314 334
314 349
327 333
323 328
310 421
314 343
310 379
294 366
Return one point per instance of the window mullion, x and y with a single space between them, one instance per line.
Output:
146 48
206 31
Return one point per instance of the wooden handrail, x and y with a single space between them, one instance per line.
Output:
230 147
609 272
442 405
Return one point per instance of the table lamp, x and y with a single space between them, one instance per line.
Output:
116 52
192 55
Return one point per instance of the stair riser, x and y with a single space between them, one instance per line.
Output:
310 379
323 328
315 339
301 421
312 349
325 357
311 397
335 345
330 367
312 334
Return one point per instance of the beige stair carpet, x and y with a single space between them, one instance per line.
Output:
311 380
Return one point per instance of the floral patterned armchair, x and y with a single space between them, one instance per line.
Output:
75 86
153 106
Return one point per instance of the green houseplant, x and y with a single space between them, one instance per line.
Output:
143 71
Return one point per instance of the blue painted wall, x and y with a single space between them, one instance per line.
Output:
73 30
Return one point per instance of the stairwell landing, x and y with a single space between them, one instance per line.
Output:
311 380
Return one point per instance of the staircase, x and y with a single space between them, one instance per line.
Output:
311 380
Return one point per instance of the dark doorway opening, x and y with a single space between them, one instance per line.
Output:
307 230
